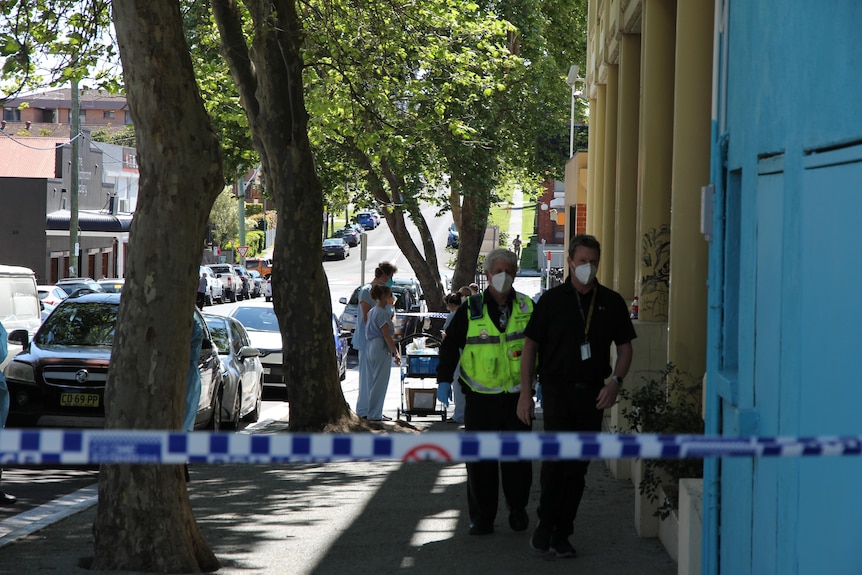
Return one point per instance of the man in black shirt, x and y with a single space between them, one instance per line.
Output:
571 330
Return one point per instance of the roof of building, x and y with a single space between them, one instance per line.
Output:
89 221
61 98
28 157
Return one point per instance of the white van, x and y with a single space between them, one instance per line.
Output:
19 304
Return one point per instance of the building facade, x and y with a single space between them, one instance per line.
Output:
725 157
36 195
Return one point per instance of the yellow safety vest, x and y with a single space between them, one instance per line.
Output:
491 361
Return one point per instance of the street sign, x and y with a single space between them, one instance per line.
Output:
242 250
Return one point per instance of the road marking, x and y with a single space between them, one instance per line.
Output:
28 522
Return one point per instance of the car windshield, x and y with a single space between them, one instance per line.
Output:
72 287
332 242
87 324
256 318
218 333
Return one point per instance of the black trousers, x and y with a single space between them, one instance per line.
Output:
495 412
566 408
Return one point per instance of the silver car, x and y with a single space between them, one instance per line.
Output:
264 333
242 372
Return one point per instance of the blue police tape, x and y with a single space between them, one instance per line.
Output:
80 447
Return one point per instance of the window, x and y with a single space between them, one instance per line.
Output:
12 114
109 115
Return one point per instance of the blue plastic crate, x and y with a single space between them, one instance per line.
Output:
422 365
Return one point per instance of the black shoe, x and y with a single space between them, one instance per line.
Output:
541 539
481 529
6 499
518 519
562 548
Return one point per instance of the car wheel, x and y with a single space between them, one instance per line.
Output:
215 420
255 413
232 297
233 422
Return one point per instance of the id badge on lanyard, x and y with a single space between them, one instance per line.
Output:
586 353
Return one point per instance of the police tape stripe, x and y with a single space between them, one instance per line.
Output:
77 447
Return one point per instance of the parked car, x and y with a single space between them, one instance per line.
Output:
59 378
242 372
335 248
367 220
267 289
349 235
452 241
262 265
19 304
257 290
342 346
404 303
50 296
71 285
247 282
360 229
231 283
264 333
112 285
415 290
215 290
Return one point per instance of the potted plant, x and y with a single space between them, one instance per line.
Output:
669 403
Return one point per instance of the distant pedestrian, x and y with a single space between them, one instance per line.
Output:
474 287
380 348
203 285
382 276
516 246
452 390
5 498
571 332
465 292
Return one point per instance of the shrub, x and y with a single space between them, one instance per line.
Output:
669 403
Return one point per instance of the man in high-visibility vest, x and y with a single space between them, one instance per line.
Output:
488 331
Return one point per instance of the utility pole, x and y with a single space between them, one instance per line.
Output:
240 196
73 219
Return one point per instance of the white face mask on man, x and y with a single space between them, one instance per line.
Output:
586 273
502 282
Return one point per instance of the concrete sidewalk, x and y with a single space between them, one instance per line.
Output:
364 517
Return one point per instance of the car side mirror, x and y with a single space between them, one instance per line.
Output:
21 337
342 300
206 344
247 351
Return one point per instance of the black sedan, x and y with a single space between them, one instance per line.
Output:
242 372
349 235
335 248
59 378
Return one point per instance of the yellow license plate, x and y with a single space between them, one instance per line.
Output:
79 399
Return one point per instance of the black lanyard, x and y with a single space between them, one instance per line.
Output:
589 317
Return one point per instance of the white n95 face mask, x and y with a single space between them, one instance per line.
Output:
502 282
585 273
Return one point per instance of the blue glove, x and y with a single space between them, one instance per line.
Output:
444 392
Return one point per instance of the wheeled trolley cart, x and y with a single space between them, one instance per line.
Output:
419 358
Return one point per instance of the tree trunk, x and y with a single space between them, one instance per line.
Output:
474 219
271 92
144 520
